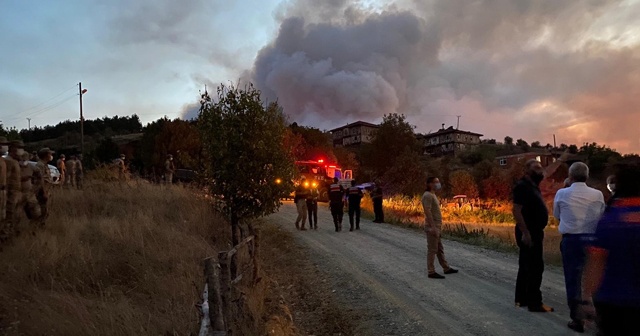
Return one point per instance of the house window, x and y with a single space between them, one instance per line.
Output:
503 162
538 158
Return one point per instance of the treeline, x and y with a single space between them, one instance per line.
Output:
107 126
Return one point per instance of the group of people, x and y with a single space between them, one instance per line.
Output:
306 200
24 187
600 246
71 172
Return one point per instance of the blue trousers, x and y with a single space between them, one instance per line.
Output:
573 248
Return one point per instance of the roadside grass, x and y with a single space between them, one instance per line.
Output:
126 258
490 229
113 259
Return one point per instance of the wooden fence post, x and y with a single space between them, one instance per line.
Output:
216 307
225 286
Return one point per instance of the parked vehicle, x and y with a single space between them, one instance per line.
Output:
55 173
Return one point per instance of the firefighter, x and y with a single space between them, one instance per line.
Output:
28 203
355 195
312 206
42 183
336 203
300 199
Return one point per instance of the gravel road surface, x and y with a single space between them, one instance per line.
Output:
380 270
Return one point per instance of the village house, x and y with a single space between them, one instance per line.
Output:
544 157
448 141
354 134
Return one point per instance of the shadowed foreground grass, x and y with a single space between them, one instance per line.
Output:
113 259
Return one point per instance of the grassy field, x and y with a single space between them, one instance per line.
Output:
492 228
127 259
114 259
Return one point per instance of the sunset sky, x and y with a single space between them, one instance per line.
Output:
528 69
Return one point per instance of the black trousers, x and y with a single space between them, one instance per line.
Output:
337 213
617 320
312 211
354 209
531 267
377 210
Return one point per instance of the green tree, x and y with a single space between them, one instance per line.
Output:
394 137
315 144
522 144
407 176
243 138
508 141
463 183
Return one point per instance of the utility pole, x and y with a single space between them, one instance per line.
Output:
81 120
29 120
458 125
554 141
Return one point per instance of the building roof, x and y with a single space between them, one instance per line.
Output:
357 123
450 130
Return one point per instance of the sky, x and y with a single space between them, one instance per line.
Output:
523 68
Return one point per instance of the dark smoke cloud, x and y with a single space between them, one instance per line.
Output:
525 68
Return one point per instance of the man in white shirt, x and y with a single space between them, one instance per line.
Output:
579 208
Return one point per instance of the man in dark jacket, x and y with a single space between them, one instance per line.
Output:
376 197
336 204
355 195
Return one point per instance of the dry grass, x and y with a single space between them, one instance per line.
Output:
114 259
491 228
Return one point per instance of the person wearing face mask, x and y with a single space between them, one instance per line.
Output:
14 185
611 186
4 148
531 215
169 169
42 183
62 168
28 203
432 227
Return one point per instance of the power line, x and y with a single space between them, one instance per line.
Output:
43 109
44 102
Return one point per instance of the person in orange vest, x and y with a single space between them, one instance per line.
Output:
355 195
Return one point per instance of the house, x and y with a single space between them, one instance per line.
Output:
544 157
353 134
448 141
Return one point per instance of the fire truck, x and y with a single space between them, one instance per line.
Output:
320 174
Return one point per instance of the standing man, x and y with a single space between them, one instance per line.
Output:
376 198
336 203
62 168
14 185
4 148
312 206
71 171
355 195
579 209
433 229
28 203
169 169
121 167
43 183
79 171
300 199
531 215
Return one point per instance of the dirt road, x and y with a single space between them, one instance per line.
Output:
381 271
